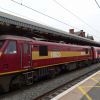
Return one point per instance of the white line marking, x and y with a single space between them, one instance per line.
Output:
73 87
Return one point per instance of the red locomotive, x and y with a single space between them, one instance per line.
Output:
23 60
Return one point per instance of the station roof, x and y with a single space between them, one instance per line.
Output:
42 29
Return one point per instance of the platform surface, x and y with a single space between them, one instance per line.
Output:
88 89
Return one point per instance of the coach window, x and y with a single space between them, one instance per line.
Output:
43 51
11 48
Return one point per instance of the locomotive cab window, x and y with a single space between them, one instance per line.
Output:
26 47
11 48
1 43
43 51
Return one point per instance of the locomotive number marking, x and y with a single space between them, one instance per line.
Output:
82 53
55 54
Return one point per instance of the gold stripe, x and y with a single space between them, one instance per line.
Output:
13 72
34 68
57 54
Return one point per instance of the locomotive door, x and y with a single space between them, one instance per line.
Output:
26 51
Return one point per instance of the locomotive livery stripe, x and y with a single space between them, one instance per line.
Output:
43 66
12 72
57 54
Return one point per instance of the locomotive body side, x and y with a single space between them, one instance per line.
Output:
22 58
57 53
21 55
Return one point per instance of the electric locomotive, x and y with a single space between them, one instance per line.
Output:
24 60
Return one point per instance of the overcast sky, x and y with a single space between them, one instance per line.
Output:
86 10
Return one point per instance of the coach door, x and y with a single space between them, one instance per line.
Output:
26 55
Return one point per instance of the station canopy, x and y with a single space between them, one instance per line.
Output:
14 25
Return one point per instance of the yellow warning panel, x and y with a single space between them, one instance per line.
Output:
84 93
83 90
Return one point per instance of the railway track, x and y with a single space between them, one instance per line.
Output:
45 90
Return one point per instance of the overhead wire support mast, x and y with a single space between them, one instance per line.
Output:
75 15
97 3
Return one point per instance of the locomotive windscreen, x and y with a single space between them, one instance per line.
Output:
1 43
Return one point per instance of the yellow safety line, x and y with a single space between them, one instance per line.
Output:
95 80
98 73
84 93
89 86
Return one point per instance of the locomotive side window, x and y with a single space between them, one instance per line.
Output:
25 48
43 51
86 51
11 48
98 52
1 43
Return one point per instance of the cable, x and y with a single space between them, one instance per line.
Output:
39 12
45 14
97 3
52 17
55 18
75 15
21 2
16 13
25 16
49 16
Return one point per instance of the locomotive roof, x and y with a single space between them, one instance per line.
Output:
11 37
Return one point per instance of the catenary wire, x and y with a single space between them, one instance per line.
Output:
16 13
22 15
75 16
45 14
55 18
32 19
97 3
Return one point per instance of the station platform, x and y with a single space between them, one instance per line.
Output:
88 89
